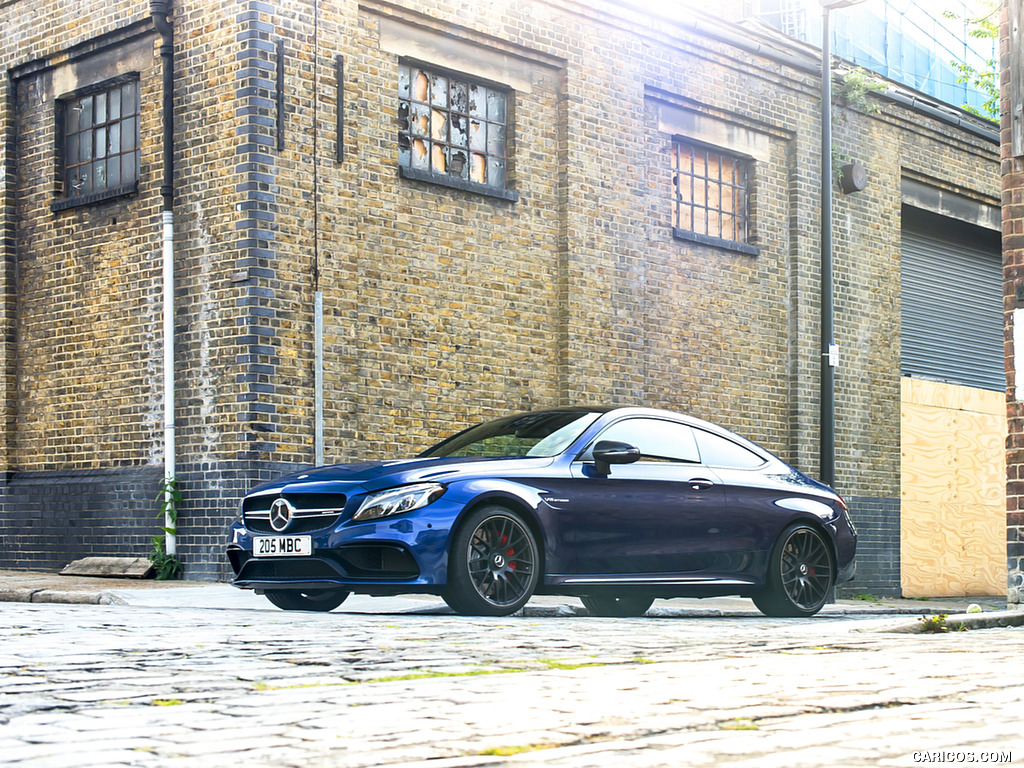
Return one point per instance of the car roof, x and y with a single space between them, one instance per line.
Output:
630 410
637 410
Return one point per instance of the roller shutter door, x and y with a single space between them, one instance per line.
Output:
952 302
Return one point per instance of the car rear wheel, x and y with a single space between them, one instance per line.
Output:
314 600
801 574
494 564
604 605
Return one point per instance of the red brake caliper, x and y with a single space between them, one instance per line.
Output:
509 553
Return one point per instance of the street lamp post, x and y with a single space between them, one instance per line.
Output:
829 351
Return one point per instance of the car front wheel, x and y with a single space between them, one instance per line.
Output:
621 607
494 564
315 600
800 575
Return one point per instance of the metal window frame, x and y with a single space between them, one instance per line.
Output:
406 137
69 198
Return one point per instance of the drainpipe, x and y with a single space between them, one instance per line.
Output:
827 460
161 10
318 378
318 295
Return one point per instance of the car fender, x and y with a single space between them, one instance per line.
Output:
519 497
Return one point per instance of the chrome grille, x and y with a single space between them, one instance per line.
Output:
309 511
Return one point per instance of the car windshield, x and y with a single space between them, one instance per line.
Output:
532 434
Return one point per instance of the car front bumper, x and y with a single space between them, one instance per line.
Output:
388 556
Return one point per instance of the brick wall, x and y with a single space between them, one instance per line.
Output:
85 317
444 307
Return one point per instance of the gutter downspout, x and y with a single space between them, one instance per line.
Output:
827 444
160 10
318 295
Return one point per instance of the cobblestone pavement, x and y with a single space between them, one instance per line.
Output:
185 686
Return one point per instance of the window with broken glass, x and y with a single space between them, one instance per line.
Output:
453 131
711 197
99 131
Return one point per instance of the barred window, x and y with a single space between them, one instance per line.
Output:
452 130
100 132
711 196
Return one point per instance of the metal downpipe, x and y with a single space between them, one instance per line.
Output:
160 10
827 459
318 384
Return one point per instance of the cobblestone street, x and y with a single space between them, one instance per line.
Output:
181 686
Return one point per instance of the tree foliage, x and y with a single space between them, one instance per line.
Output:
984 26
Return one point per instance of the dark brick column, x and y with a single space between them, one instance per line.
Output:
1012 168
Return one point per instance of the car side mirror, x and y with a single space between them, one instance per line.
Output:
608 452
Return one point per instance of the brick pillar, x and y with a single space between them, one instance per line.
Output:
1011 39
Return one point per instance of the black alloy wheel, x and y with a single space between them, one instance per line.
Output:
620 607
314 600
801 574
494 564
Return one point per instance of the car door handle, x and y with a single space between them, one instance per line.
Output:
700 484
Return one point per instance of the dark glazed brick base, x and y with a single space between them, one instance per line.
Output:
48 519
878 547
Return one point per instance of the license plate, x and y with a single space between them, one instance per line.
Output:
282 546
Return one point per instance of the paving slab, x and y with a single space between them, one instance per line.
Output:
168 674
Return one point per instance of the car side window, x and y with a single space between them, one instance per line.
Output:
716 451
657 439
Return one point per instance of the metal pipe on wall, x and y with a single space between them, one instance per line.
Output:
318 385
829 350
161 10
827 461
318 295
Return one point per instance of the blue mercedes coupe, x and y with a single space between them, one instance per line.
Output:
616 506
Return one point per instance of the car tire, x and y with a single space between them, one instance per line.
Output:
801 574
494 563
314 600
619 607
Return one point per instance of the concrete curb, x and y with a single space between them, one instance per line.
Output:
658 612
44 588
963 621
832 610
67 597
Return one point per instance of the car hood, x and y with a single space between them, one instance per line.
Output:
374 475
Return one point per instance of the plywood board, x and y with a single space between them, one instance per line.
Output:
952 549
953 490
953 397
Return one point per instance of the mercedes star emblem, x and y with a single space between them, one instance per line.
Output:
281 514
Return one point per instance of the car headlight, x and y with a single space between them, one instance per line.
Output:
395 501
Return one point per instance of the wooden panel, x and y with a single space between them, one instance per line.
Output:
953 490
953 397
952 456
952 549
